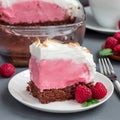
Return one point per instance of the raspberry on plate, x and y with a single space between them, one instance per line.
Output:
99 91
7 70
83 93
117 36
116 50
111 42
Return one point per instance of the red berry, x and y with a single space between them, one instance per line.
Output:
116 50
82 94
111 42
119 24
0 70
7 70
99 91
117 36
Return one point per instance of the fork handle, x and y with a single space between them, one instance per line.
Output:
117 86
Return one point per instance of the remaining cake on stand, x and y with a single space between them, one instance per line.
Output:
39 12
66 17
56 69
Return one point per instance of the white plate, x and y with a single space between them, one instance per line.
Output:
92 24
17 88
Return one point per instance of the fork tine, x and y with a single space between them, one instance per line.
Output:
111 67
105 67
108 67
100 65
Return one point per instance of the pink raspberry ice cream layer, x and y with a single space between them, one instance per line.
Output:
59 73
32 11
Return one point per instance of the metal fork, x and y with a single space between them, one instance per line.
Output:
106 68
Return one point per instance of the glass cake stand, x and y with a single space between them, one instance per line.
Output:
15 40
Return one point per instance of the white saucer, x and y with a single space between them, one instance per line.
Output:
17 88
92 24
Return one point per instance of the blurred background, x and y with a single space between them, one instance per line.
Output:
84 2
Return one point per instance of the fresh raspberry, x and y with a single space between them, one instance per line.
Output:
116 50
82 94
117 36
111 42
7 70
119 24
0 70
99 91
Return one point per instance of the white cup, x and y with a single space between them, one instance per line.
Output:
106 12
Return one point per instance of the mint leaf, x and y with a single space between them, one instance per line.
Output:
106 52
90 102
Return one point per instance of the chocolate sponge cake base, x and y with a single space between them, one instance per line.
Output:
51 95
48 23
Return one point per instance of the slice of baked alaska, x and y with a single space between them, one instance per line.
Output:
56 69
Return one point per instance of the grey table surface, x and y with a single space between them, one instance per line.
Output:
11 109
